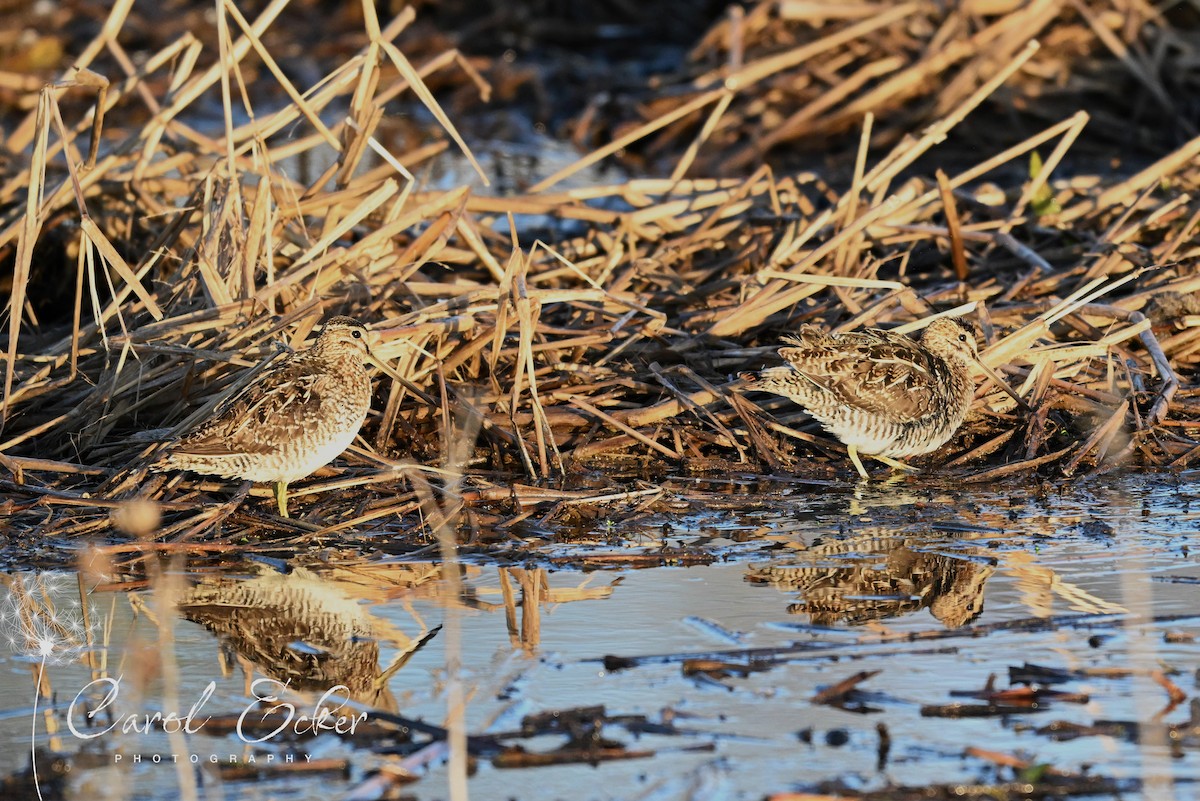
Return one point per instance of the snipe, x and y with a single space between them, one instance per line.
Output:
293 419
882 394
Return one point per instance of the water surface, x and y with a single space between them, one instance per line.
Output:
706 658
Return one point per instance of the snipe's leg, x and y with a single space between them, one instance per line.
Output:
281 497
894 464
852 450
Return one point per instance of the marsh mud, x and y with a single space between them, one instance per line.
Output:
768 640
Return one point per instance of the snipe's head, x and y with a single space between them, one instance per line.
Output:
952 339
342 337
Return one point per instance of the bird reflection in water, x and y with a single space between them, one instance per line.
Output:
313 631
877 576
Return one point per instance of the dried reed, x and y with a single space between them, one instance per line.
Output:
582 326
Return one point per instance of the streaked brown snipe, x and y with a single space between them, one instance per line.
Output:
293 419
882 394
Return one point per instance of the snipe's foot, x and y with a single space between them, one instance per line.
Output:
892 463
852 451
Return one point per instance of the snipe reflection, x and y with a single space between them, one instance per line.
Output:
875 576
314 631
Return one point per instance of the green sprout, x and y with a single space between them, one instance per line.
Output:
1043 201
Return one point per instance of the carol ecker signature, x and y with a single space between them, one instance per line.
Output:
266 708
42 622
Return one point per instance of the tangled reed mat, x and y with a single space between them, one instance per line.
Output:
183 196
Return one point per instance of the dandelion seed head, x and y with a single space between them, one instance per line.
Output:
39 618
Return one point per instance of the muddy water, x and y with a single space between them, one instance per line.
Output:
934 586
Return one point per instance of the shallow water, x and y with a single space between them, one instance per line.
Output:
915 580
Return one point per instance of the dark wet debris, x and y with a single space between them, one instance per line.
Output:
339 768
1065 787
1065 730
1040 674
51 783
720 668
989 710
871 646
518 757
841 694
1096 528
1026 696
588 734
1020 778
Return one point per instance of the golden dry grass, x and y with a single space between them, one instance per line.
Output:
596 325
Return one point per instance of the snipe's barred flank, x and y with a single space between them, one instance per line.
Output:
880 393
294 418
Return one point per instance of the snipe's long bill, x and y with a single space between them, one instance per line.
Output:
882 394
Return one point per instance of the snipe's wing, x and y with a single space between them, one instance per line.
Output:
884 374
274 408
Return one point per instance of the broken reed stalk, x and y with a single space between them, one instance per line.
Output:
459 439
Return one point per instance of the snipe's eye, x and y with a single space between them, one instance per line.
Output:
961 337
357 335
